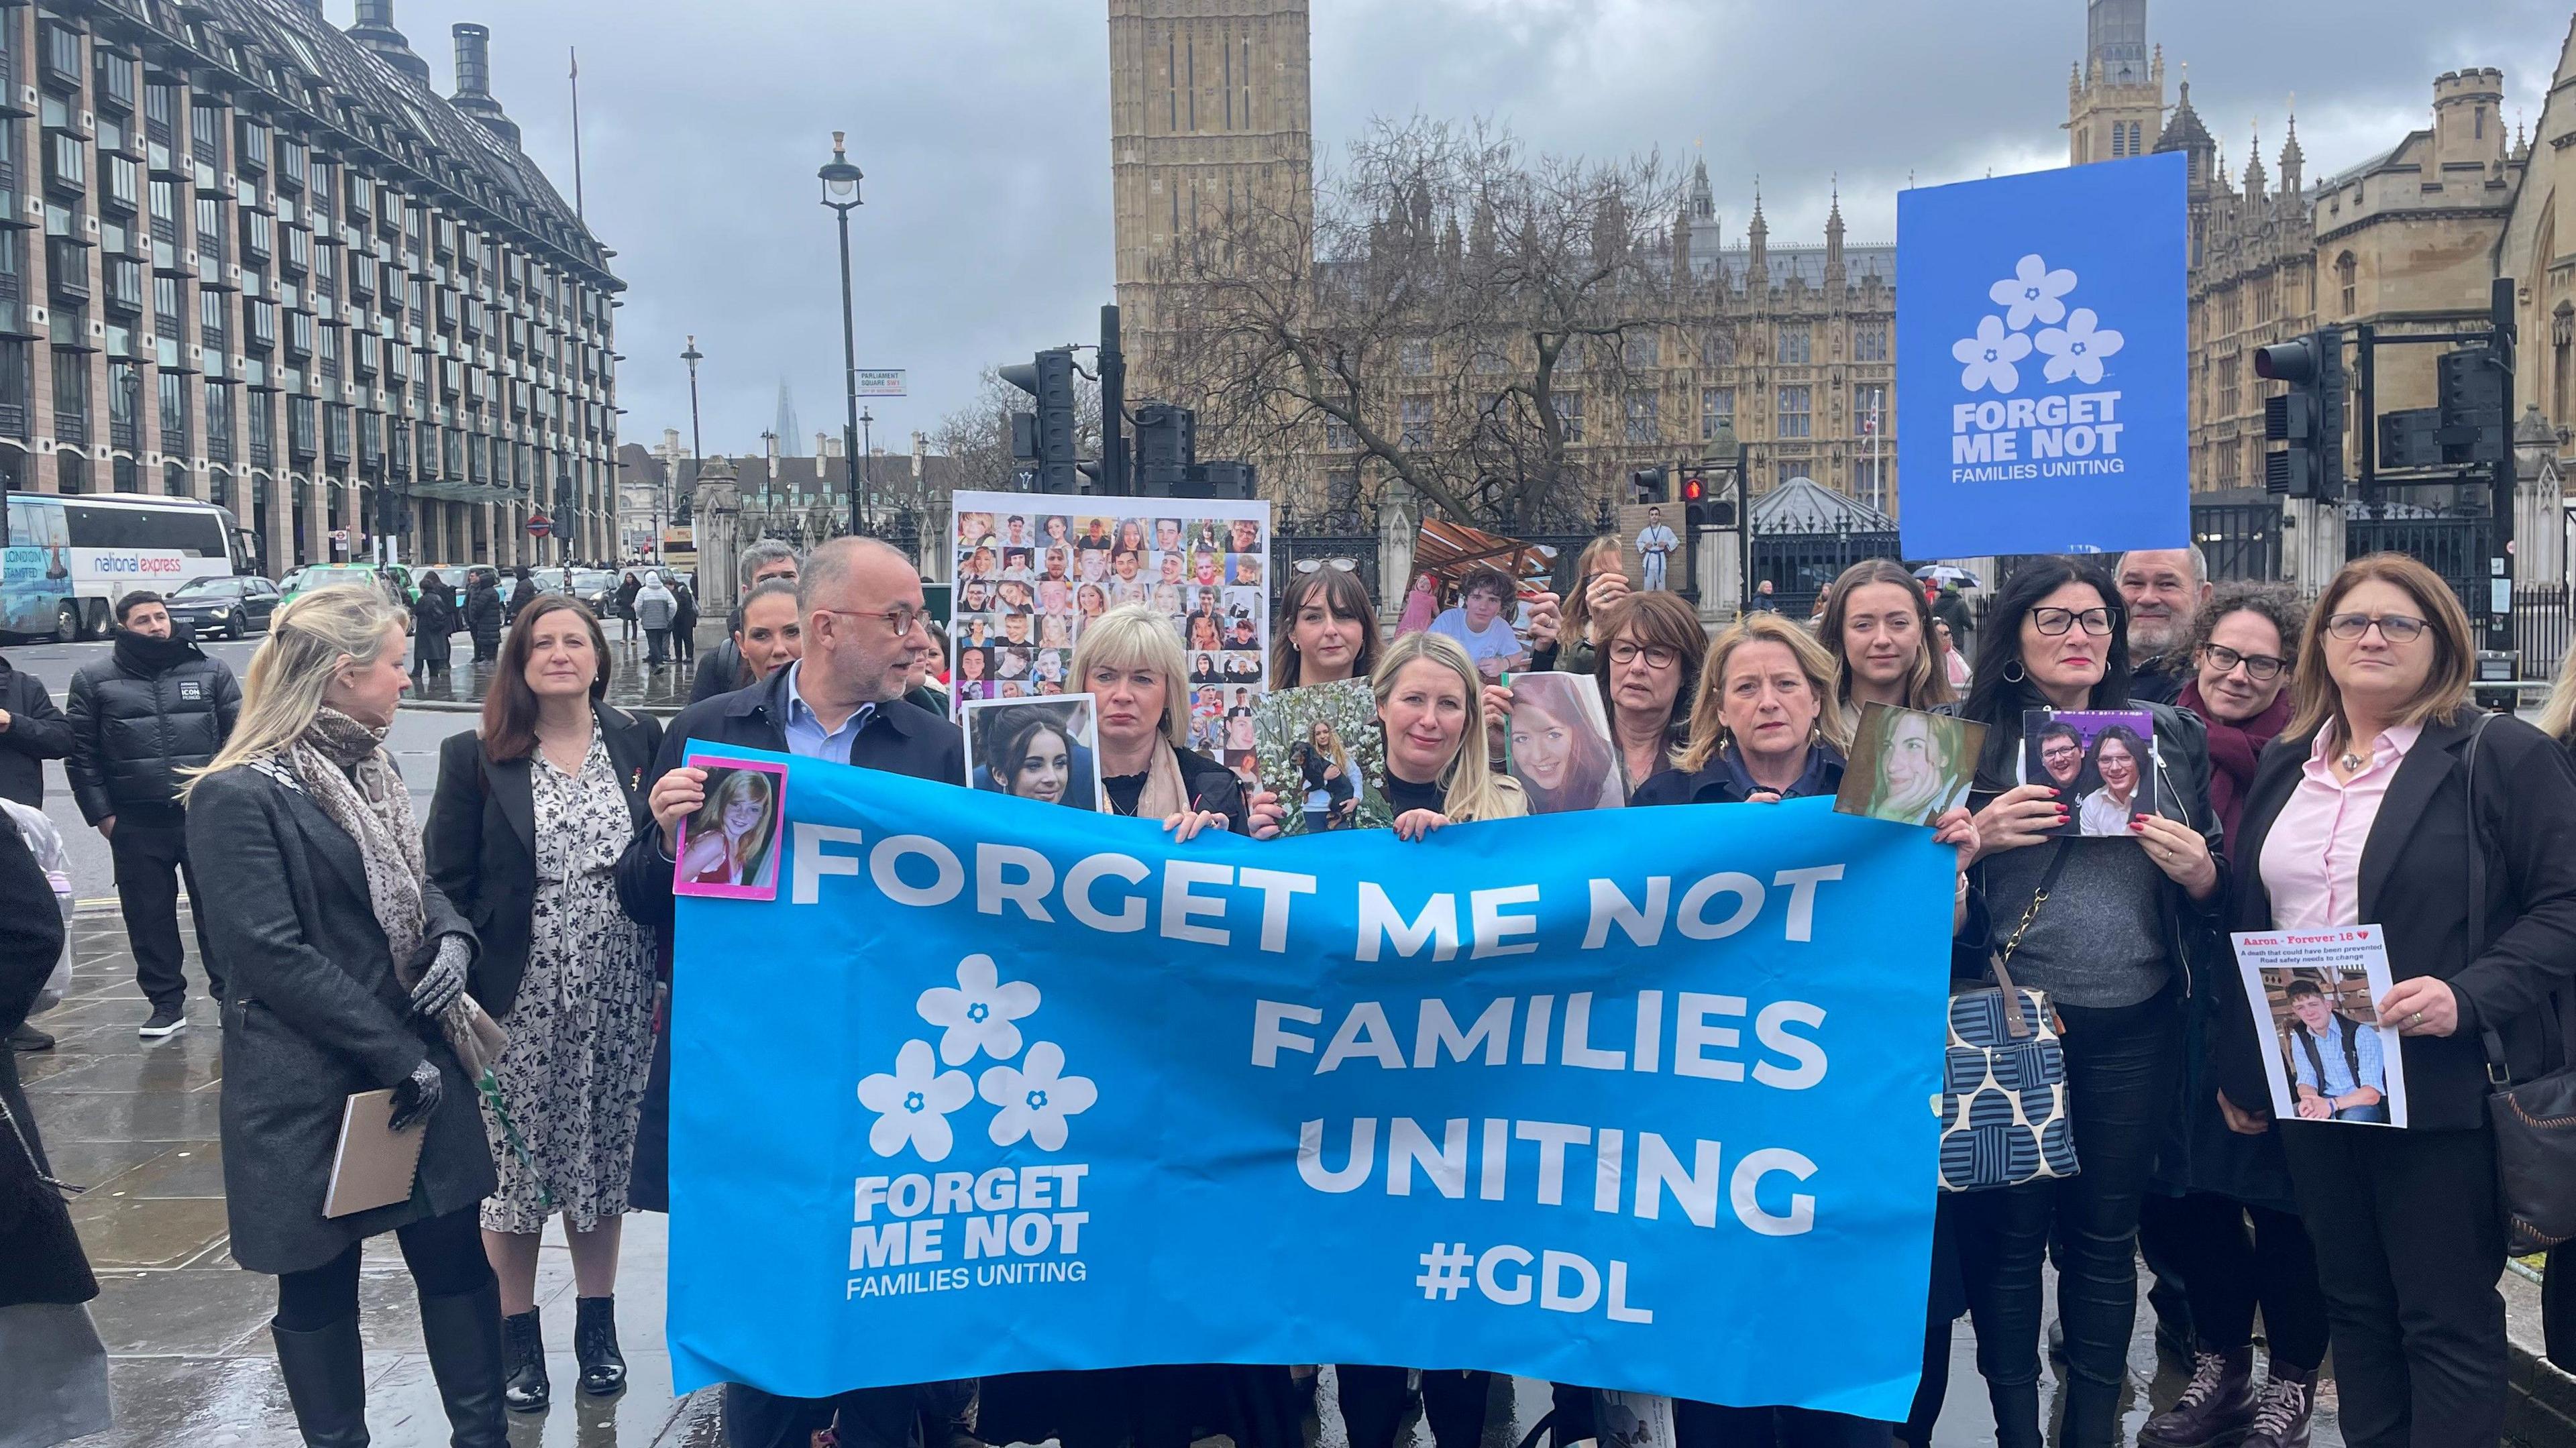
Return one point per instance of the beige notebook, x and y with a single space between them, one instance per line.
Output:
375 1164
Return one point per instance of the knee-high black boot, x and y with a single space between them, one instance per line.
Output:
326 1379
463 1334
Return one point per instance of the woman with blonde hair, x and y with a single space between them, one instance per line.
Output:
1130 661
1430 702
1763 726
730 835
2558 715
349 969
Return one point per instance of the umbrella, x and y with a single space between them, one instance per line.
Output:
1949 573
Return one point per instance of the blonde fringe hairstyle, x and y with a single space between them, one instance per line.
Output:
1708 718
1133 636
308 642
1471 789
2558 716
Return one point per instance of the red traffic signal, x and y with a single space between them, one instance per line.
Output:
1694 487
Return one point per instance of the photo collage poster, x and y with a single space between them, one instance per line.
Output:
1033 569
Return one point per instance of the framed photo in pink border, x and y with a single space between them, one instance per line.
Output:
729 846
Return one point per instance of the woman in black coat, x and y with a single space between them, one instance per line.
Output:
484 616
53 1371
349 969
433 624
524 835
2360 814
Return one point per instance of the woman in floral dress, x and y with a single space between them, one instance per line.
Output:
524 833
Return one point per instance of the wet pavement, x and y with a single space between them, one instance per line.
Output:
135 1123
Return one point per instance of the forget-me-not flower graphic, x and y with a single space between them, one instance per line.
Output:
1036 1097
977 1015
2032 293
1989 356
2077 349
912 1105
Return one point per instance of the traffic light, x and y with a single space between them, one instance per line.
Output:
1166 446
2308 418
1650 485
2470 386
1049 379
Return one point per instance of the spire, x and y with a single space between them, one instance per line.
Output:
1703 200
1681 250
1757 235
2254 175
2293 160
1834 235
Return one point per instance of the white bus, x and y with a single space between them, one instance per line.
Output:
69 558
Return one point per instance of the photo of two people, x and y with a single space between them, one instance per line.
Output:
1046 750
728 846
1319 749
1909 766
1558 745
2101 761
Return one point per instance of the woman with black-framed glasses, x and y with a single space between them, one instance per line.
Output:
1648 663
2110 929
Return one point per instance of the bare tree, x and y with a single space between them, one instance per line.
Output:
1449 307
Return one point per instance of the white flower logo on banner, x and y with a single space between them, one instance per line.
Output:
978 1014
2077 349
1036 1098
1989 356
2032 294
912 1105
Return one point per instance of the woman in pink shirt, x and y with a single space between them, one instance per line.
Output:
2358 815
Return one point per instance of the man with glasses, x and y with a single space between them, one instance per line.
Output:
2164 588
843 701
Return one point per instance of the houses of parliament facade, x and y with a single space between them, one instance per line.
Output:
1791 342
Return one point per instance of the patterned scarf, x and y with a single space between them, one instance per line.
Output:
343 766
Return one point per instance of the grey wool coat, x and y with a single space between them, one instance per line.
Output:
314 1015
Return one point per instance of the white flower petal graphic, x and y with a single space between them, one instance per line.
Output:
2032 293
1036 1099
2077 349
977 1014
912 1104
1988 357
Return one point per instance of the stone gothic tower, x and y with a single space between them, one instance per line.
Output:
2115 100
1210 105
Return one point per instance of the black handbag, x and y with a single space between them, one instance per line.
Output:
2534 1120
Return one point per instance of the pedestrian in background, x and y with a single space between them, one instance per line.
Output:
32 731
1952 608
523 591
684 622
626 591
433 626
346 957
842 701
2111 944
722 670
530 816
53 1368
654 609
154 708
484 615
36 829
2364 813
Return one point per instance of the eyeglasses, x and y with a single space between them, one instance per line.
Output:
2261 668
1318 565
901 621
2056 621
2397 628
1656 655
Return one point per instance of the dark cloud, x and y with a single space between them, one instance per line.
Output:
983 128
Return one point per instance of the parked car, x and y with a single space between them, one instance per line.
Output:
233 607
593 586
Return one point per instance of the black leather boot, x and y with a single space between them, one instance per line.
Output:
2281 1417
523 1364
463 1334
326 1380
594 1344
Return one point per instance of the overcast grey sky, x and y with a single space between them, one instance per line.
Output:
983 128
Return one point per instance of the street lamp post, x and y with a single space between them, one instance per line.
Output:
697 452
867 449
841 193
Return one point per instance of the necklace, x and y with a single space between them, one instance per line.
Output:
2351 763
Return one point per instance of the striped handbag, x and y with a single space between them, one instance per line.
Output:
2002 1104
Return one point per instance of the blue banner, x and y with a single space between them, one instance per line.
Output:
1633 1099
2040 361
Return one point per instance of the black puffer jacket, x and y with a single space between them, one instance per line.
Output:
37 732
139 716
